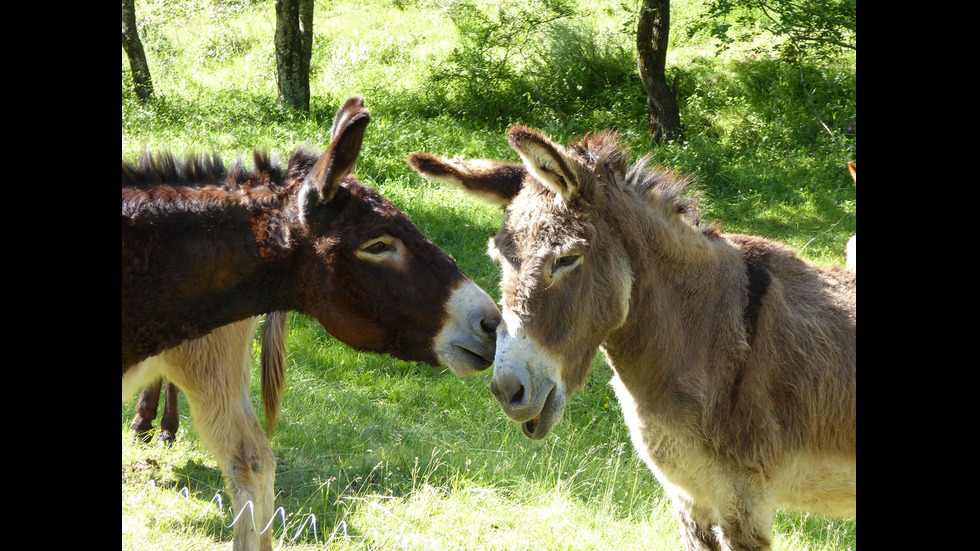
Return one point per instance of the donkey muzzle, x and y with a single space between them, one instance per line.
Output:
467 341
525 384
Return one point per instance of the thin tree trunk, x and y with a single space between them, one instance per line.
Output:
142 84
664 121
294 46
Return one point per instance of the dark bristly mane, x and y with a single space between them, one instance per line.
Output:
165 169
657 184
171 182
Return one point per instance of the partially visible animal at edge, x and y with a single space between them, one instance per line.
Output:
734 359
147 406
853 242
208 248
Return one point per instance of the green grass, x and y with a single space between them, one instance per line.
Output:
394 455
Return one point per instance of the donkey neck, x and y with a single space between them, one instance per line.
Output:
682 277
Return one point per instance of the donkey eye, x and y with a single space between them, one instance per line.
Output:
377 247
565 262
384 249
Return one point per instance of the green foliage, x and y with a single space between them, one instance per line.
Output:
389 454
494 44
816 26
543 63
769 134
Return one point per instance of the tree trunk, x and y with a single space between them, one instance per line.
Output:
294 46
142 84
664 120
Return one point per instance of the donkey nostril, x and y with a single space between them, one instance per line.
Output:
518 396
490 325
509 392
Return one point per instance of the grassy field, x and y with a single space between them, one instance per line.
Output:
374 453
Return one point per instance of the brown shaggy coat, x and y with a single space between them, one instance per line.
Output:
203 247
734 359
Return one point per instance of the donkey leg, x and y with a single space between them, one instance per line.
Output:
696 530
740 534
747 525
214 373
230 429
171 416
251 476
146 410
228 426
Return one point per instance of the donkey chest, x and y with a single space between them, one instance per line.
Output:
661 441
672 450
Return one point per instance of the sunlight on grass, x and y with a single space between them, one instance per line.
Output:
487 518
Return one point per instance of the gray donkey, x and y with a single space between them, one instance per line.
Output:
734 359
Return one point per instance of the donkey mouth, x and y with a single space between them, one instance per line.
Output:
475 360
466 358
530 426
551 413
467 341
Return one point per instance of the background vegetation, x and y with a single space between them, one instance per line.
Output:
394 455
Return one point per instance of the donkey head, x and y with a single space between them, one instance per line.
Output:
566 279
381 285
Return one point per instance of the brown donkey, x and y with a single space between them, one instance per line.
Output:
734 359
204 247
214 372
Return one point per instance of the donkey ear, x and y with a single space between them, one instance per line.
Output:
350 107
546 161
337 161
496 182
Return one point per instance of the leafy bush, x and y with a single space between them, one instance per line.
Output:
545 63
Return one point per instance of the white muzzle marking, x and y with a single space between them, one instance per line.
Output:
467 342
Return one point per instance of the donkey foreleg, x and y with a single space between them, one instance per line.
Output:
746 524
732 514
696 523
250 474
731 534
230 429
741 534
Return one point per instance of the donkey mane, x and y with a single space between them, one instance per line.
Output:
164 169
661 187
162 182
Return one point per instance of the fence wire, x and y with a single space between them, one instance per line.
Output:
339 530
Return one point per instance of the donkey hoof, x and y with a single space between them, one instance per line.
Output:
143 437
165 438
